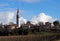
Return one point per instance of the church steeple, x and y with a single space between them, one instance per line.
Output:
17 17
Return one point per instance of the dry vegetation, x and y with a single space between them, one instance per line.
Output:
30 37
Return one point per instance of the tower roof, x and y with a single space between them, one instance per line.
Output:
18 11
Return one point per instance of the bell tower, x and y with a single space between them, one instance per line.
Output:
17 17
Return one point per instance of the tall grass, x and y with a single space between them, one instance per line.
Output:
30 37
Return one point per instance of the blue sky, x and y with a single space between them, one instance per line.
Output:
31 8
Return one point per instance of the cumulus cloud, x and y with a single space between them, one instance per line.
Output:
10 16
23 20
6 17
42 17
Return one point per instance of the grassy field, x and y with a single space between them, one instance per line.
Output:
43 36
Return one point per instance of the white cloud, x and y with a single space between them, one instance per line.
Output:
23 20
6 17
42 17
4 4
10 16
30 1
